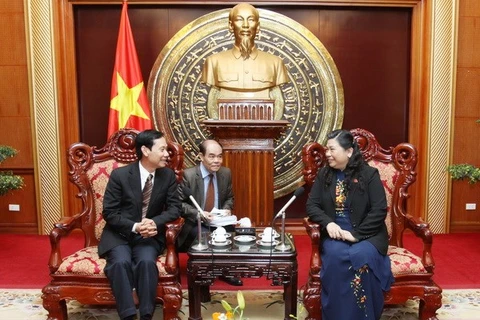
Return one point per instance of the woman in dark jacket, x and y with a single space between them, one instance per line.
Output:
348 200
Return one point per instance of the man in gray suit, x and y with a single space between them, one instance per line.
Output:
197 179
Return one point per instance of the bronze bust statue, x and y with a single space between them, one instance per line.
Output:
244 72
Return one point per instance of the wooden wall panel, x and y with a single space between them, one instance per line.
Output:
25 220
463 220
15 119
14 101
12 34
431 24
370 46
467 111
17 138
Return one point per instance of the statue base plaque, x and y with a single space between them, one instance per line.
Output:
245 109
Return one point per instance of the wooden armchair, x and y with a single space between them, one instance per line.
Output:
413 275
80 276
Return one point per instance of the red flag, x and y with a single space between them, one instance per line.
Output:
129 106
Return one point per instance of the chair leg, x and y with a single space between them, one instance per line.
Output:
312 300
172 302
57 309
429 305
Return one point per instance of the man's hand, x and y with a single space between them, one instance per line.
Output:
147 228
207 216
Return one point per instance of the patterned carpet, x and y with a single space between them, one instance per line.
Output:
260 305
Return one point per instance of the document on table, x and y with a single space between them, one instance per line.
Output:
221 218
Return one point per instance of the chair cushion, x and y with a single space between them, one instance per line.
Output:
87 262
404 261
389 176
98 175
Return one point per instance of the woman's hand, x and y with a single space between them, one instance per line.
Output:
347 236
337 233
334 231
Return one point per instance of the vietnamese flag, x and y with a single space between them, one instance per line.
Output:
129 106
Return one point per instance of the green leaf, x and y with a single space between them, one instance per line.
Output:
226 306
9 182
241 300
6 152
464 171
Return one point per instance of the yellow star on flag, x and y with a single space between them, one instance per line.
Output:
126 102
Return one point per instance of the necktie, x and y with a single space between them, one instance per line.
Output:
210 198
147 192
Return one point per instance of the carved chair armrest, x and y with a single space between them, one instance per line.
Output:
421 230
172 230
313 231
61 229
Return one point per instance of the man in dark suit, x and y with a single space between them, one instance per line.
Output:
139 200
197 179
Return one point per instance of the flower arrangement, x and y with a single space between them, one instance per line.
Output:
231 312
8 181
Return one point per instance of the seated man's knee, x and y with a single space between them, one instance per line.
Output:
144 264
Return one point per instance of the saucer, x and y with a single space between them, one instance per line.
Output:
220 244
275 236
227 235
267 244
244 238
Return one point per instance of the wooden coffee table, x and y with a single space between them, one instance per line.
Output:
245 260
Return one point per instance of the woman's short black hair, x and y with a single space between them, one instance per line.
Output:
346 140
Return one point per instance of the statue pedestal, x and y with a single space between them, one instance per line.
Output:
245 109
248 151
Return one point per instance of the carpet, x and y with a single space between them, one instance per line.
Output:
21 304
29 269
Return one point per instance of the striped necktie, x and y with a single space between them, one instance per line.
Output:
147 192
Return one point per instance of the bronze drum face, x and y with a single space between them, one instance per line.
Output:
312 101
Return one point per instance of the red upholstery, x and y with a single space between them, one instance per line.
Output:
413 274
80 276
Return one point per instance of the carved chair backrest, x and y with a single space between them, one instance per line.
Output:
396 166
90 169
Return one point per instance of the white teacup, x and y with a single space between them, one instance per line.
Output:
219 230
219 237
268 234
267 238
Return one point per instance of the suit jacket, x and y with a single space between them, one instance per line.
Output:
192 178
122 205
368 208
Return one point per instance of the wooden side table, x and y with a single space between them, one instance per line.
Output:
245 260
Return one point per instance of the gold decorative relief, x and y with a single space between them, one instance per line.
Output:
312 99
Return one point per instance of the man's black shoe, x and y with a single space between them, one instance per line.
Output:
146 317
234 281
